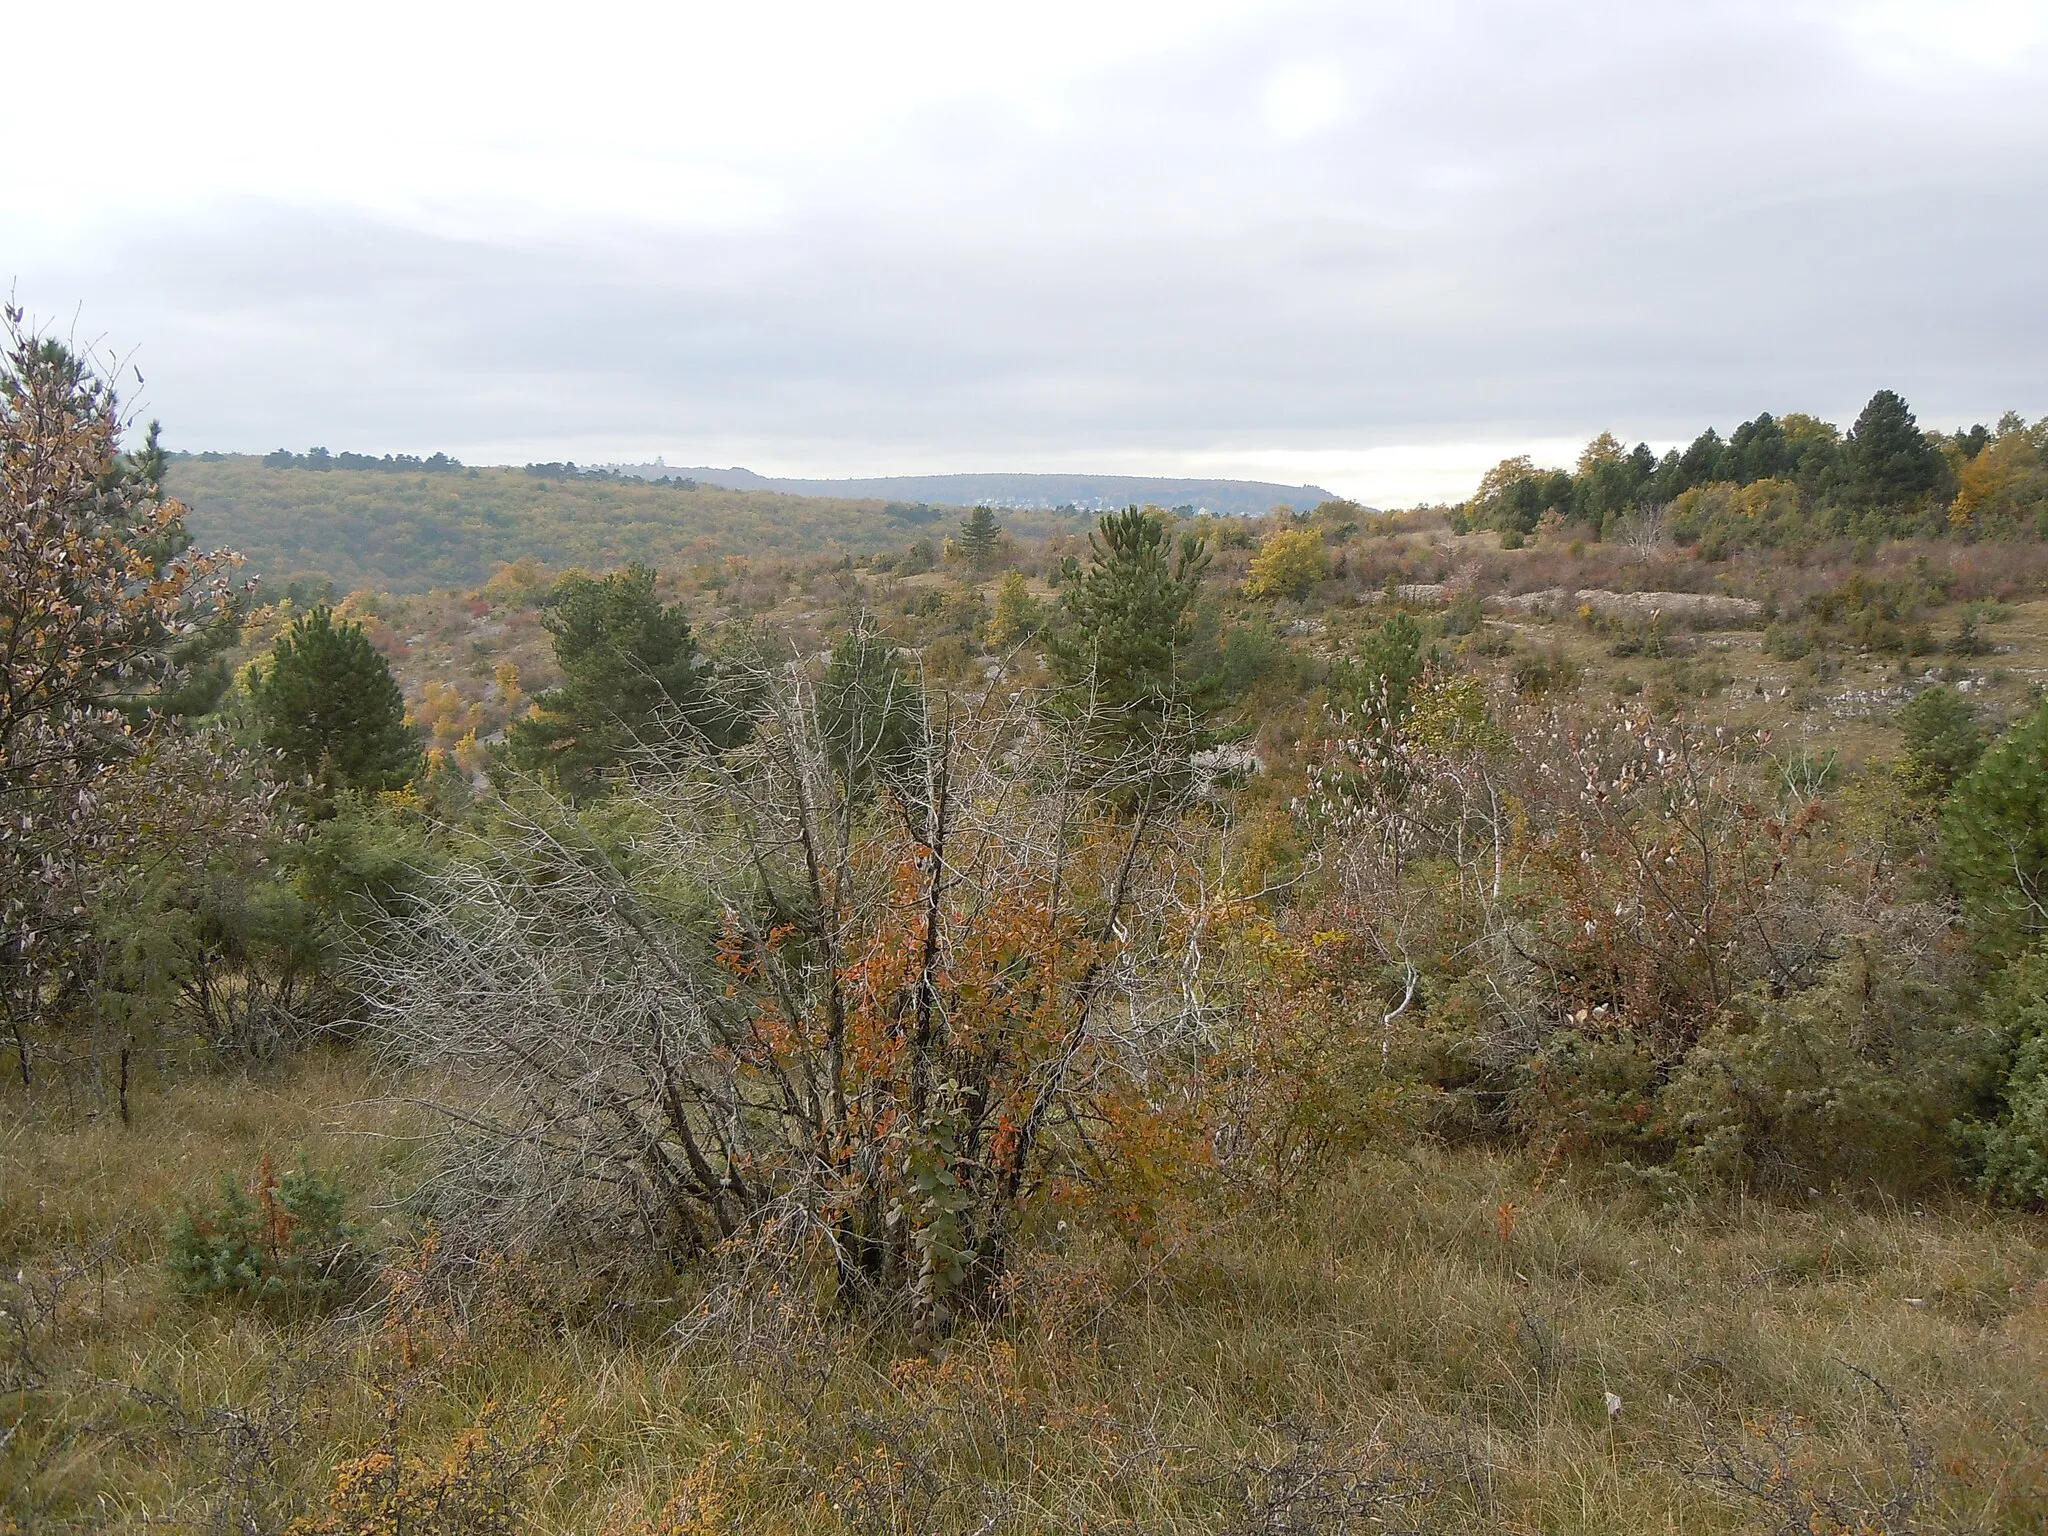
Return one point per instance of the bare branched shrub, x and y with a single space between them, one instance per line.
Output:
1327 1485
1770 1463
865 989
39 1321
1644 530
246 1453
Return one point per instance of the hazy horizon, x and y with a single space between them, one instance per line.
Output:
1371 247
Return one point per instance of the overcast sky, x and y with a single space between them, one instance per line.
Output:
1374 246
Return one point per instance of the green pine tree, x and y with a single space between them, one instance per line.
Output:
979 536
330 709
1388 665
1122 647
1891 462
1941 739
630 677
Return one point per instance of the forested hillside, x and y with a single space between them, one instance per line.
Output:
414 529
1096 493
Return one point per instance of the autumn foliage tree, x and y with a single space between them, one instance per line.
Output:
100 602
1288 564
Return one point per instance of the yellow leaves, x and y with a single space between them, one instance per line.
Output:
1604 449
511 691
446 716
1450 715
706 1503
1017 615
1766 498
1288 564
2007 469
1759 500
1503 476
477 1484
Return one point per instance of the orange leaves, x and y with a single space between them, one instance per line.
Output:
992 984
479 1483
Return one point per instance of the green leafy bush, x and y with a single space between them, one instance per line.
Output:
283 1240
1540 673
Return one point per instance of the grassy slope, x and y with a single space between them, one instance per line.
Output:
414 532
1404 1304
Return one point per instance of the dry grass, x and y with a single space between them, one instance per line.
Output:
1429 1345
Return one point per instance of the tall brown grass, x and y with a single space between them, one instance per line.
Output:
1438 1341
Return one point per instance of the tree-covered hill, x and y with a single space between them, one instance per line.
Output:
1094 493
401 528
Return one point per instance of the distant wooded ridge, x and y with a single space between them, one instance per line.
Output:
1040 492
398 525
1089 493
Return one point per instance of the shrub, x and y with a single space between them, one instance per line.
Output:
757 1008
1302 1078
1588 1091
1995 835
1601 893
1646 637
2011 1148
281 1240
1288 564
1465 614
1850 1082
1789 642
481 1486
1545 672
1941 739
1970 639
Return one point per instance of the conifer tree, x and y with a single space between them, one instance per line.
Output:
331 710
1891 462
630 676
1942 742
1121 648
979 532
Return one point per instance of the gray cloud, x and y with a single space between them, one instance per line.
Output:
1494 221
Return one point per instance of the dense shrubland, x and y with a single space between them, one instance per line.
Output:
1197 1027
